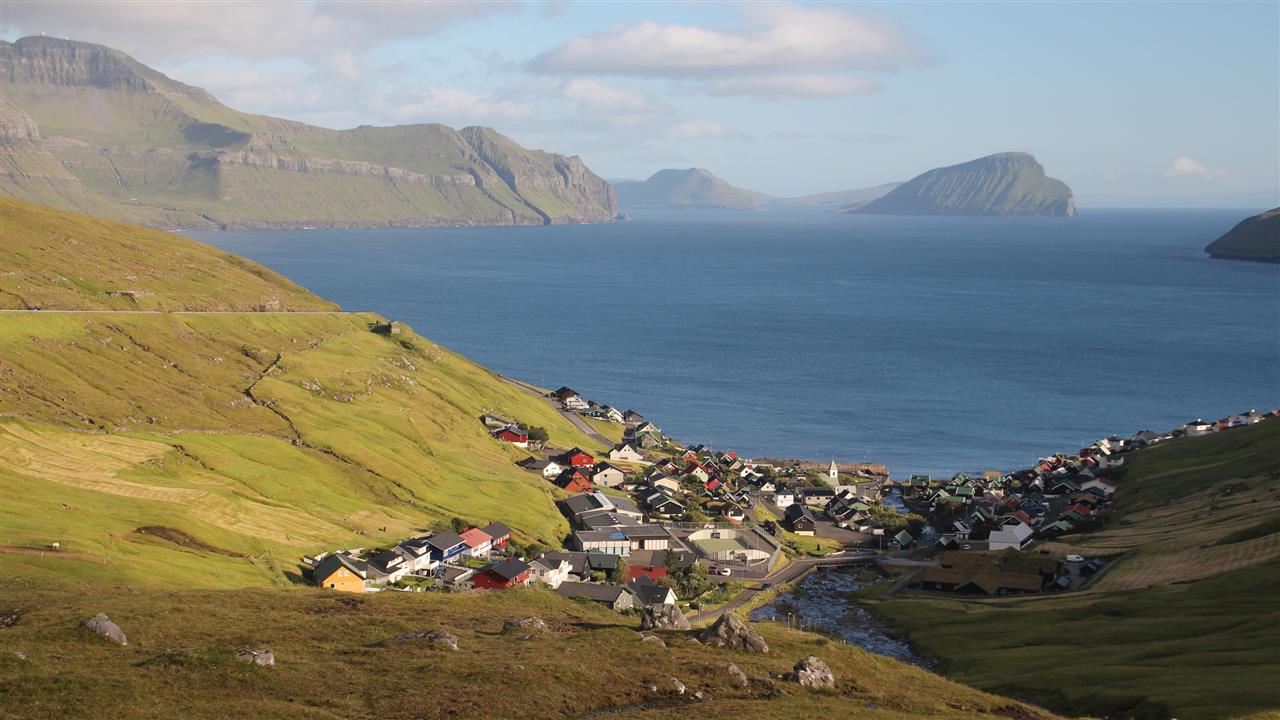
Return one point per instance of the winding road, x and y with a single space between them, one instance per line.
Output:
569 415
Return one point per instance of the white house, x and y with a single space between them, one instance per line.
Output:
552 469
575 402
1016 535
625 452
664 482
1197 427
549 571
784 498
1106 485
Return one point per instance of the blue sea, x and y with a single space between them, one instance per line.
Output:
928 344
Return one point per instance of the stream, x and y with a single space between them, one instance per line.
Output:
823 601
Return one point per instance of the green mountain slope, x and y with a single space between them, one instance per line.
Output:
1002 184
1180 625
130 143
57 260
264 435
1255 238
692 189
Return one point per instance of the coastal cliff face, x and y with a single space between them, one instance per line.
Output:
1001 184
88 128
1255 238
691 189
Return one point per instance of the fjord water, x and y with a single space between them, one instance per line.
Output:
928 344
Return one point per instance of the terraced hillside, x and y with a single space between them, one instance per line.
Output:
88 128
255 436
1181 625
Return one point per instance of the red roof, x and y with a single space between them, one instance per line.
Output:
509 435
713 484
475 537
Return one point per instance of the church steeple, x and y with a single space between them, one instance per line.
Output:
833 472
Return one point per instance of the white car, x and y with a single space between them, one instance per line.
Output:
726 572
1075 559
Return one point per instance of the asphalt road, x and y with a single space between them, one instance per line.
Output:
569 415
794 570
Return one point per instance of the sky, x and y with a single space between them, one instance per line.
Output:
1131 104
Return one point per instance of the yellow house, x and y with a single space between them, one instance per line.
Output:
339 572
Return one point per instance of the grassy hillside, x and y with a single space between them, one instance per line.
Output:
1182 625
53 259
1000 184
336 657
88 128
258 436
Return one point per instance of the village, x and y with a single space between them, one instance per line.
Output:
654 523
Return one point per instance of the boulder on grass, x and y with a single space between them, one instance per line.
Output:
257 656
812 672
527 625
734 673
438 638
102 625
663 617
731 631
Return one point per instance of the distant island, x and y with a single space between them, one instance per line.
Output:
88 128
690 189
1003 184
1255 238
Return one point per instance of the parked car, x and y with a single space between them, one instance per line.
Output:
726 572
1075 559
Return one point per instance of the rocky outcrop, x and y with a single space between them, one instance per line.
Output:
102 625
731 631
436 638
663 617
256 656
1255 238
1002 184
812 672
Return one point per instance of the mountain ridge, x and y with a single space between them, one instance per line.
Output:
89 128
1011 183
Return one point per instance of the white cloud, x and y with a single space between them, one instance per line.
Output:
252 31
793 86
695 130
596 97
1184 166
778 38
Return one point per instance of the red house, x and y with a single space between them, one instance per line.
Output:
577 458
499 532
511 435
502 575
574 480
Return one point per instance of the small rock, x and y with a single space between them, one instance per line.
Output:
676 686
812 672
525 624
663 617
653 639
731 631
699 695
736 676
257 656
19 654
439 638
102 625
9 618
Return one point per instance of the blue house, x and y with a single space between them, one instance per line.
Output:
446 546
